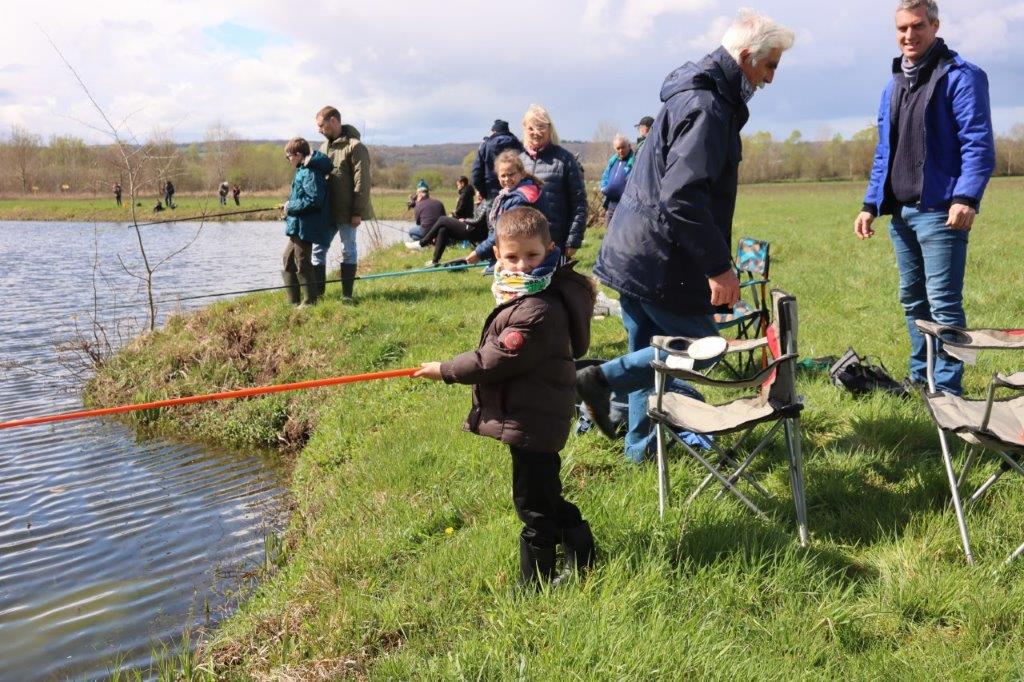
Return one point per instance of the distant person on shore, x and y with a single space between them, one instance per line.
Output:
158 207
117 193
427 212
563 200
613 181
307 221
523 376
518 188
448 230
485 180
222 193
169 194
643 129
464 204
349 187
236 194
411 204
934 158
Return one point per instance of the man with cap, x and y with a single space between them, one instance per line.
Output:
642 128
485 180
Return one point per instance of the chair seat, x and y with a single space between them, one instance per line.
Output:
740 312
963 417
681 412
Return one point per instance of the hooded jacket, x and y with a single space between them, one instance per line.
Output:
525 193
308 211
350 181
563 196
483 177
672 228
523 373
959 146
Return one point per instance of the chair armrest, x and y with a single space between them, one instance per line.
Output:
1014 381
698 378
752 282
670 344
745 345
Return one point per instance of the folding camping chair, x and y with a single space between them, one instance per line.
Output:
748 318
776 401
989 424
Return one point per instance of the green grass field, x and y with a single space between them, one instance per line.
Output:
387 204
400 560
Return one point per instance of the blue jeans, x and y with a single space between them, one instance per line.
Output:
632 373
416 232
932 259
349 250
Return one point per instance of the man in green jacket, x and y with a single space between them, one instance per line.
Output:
348 186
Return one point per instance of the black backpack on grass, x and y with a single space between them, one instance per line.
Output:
860 376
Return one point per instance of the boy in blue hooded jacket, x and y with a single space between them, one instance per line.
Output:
307 220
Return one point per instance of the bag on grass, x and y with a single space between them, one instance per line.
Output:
860 376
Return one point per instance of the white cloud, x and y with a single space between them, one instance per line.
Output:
407 73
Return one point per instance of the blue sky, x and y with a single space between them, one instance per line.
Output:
413 72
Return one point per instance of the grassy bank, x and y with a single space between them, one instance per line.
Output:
387 204
401 552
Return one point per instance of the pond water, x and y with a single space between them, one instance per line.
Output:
110 546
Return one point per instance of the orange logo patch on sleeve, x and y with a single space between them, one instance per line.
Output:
513 341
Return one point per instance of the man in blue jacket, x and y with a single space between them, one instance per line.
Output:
485 180
613 180
668 248
934 157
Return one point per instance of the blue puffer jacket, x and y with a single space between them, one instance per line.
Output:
525 193
959 144
673 227
483 177
308 211
563 197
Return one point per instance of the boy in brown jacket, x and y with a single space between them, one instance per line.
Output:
523 378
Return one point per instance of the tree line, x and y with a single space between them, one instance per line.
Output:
67 164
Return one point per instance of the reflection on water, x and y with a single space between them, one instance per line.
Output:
109 546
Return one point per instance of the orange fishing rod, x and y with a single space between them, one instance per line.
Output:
240 393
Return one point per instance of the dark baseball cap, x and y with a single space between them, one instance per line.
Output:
645 121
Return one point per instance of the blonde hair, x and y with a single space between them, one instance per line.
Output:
510 157
522 222
540 114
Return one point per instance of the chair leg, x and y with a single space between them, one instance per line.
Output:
662 471
989 482
722 479
972 453
796 478
1016 553
954 490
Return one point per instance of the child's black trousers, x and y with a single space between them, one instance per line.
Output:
537 495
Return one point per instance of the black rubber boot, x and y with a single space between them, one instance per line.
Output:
291 280
536 564
348 279
321 278
579 550
592 388
310 290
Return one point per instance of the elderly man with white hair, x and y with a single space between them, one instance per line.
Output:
668 248
613 180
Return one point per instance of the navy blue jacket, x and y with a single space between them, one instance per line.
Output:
308 211
483 177
563 196
673 227
959 147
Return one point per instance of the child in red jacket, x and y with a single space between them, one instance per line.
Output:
523 378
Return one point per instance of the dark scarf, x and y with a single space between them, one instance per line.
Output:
913 70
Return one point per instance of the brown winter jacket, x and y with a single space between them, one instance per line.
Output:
523 375
349 182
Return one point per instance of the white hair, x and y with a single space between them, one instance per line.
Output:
619 137
536 112
758 34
